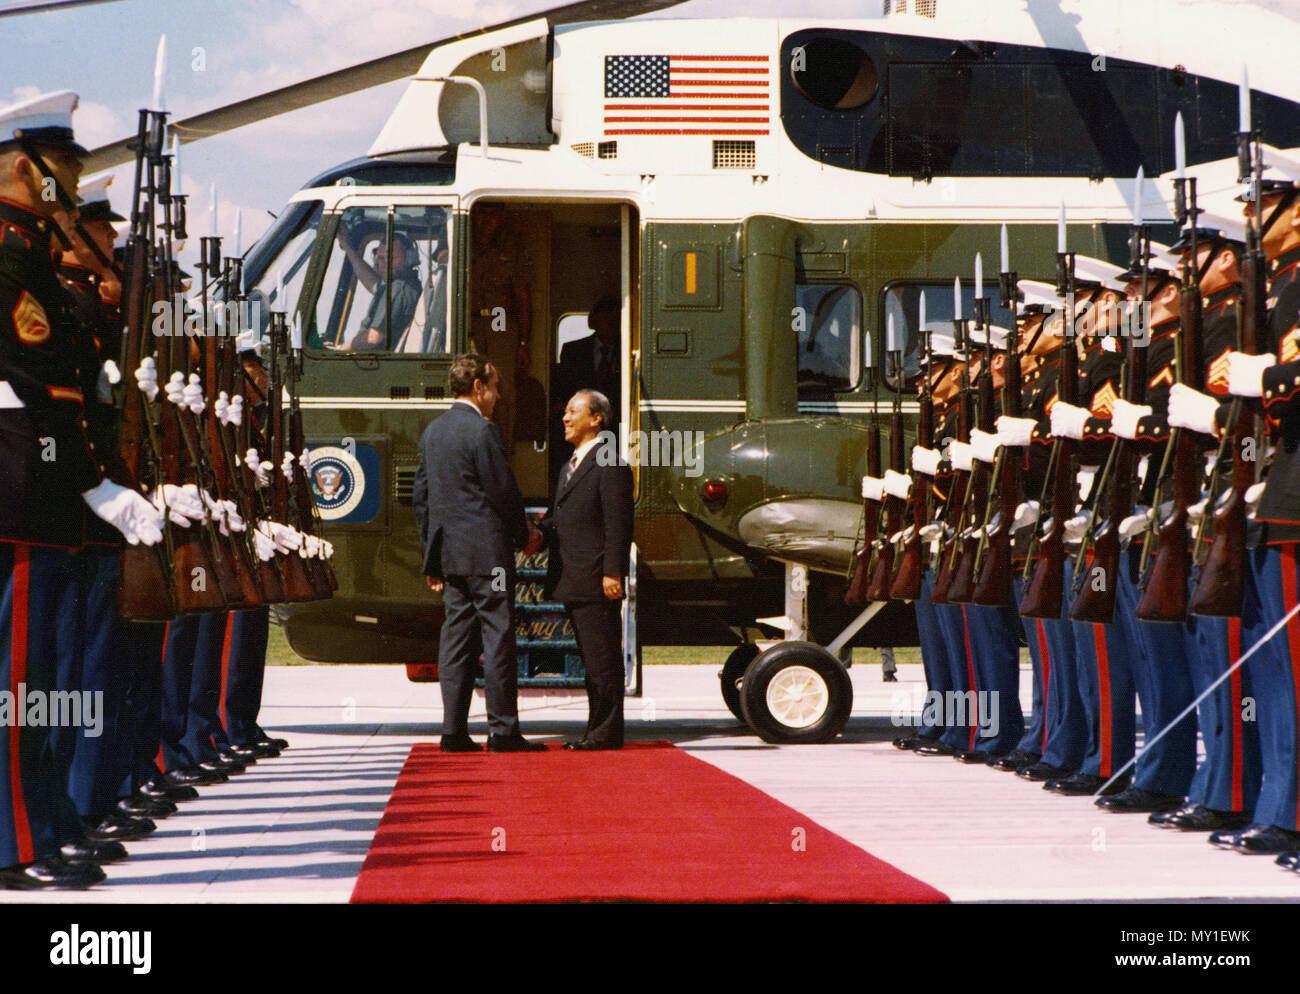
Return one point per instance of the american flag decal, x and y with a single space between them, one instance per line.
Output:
686 95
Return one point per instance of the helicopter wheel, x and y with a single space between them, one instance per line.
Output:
796 692
731 674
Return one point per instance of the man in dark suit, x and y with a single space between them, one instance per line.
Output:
589 363
589 531
471 519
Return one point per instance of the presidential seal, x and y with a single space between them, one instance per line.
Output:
337 481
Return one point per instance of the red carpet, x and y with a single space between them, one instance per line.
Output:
650 823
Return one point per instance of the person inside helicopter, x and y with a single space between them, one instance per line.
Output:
376 332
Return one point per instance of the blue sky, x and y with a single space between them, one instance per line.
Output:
220 51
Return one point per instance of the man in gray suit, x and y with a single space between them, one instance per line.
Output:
471 519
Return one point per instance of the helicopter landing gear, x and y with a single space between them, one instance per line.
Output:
793 691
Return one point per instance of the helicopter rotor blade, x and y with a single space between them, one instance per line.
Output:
363 76
36 6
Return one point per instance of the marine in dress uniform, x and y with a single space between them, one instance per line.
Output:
51 476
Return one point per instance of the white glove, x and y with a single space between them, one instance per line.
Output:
263 543
222 407
249 341
327 548
260 470
1246 373
984 445
182 504
925 460
192 395
109 377
1075 527
287 538
127 511
1197 511
1068 420
286 466
310 547
231 516
959 453
237 410
175 388
304 460
873 488
1124 418
1084 478
1192 409
146 377
1015 431
931 531
1253 493
1135 524
898 484
1026 515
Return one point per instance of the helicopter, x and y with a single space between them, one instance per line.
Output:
758 198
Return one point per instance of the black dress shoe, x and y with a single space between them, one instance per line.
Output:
936 748
160 790
1258 840
1081 784
118 827
1289 861
1135 800
972 756
1196 818
1014 761
280 744
889 678
140 806
90 851
243 757
1042 772
230 767
908 742
52 873
590 745
192 776
459 743
513 743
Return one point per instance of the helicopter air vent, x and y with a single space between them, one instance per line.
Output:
399 393
403 484
585 149
921 8
432 393
607 150
733 154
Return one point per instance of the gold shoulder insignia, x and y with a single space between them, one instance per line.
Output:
30 320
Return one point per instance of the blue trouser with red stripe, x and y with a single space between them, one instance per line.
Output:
179 648
36 815
991 640
1040 662
1274 674
1162 678
1067 726
201 720
245 654
934 657
959 734
94 666
1229 777
142 709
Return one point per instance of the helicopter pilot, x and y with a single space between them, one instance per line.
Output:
373 334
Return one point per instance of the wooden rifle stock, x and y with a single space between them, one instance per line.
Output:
994 586
861 578
293 568
907 581
1220 588
962 586
883 572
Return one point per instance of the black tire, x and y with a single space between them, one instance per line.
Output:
822 684
732 672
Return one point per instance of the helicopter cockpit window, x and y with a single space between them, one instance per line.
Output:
295 233
386 284
828 327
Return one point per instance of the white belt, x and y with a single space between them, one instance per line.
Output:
8 399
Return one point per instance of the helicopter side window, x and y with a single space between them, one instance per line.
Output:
828 330
386 283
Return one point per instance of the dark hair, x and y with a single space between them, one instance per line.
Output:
598 404
605 305
465 369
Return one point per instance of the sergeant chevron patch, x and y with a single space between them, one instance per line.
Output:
30 321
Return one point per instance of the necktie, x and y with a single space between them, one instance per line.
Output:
570 470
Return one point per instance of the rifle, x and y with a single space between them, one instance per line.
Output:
1220 588
145 589
977 491
1164 597
893 506
907 581
861 577
1097 586
994 586
954 509
319 570
293 569
1045 586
